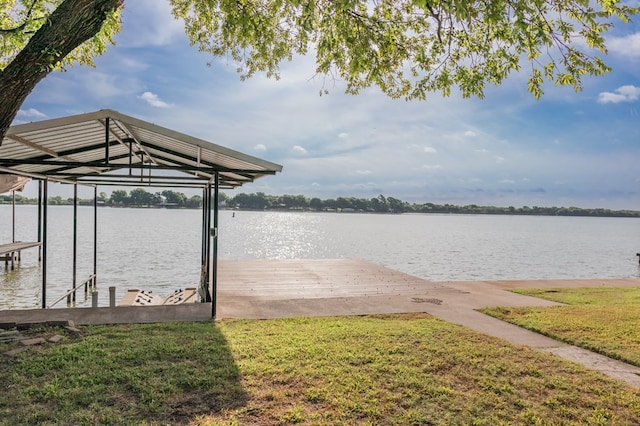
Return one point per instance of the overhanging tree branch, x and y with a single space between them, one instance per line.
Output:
21 26
72 23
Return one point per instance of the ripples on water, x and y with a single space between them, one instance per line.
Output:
159 250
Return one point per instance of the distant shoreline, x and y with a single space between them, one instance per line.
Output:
462 210
140 198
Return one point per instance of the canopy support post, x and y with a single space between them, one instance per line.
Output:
13 229
75 237
107 124
207 249
40 220
44 244
204 281
95 236
214 281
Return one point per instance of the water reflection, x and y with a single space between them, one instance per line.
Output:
159 250
21 286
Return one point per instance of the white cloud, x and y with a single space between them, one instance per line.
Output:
430 150
499 159
363 172
343 135
131 64
432 167
31 113
509 181
626 93
627 46
102 85
153 100
299 150
470 134
260 147
608 97
83 89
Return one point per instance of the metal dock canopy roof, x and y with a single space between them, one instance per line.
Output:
109 148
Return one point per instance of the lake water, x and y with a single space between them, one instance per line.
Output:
159 250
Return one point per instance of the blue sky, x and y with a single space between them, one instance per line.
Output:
567 149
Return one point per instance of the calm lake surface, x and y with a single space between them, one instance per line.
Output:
159 250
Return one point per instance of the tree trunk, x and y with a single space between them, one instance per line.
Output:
71 24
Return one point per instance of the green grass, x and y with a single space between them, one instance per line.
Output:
391 370
604 320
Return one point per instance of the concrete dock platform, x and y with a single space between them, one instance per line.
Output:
263 289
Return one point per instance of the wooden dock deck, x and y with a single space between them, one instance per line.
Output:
12 252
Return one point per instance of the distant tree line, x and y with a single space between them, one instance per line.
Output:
141 198
382 204
260 201
120 198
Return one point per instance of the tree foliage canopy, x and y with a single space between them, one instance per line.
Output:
21 19
38 36
409 48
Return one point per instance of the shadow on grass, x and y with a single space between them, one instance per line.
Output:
160 373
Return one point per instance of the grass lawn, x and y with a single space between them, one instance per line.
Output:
604 320
391 370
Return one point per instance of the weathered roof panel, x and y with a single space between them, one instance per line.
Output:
78 148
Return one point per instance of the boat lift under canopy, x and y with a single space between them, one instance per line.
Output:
107 147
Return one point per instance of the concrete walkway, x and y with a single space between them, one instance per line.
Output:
486 294
262 289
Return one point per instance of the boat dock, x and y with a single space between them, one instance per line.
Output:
12 252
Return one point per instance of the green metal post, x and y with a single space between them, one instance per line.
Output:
207 243
214 281
13 232
107 124
40 219
95 236
75 236
44 244
203 239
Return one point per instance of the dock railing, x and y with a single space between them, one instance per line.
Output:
70 295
